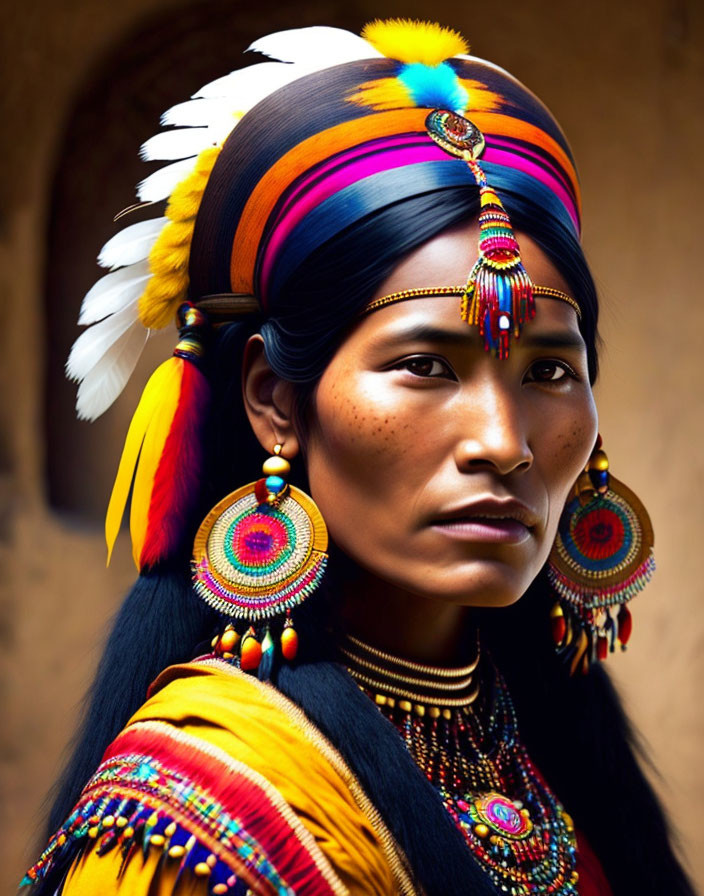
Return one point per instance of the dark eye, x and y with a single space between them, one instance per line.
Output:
425 366
549 371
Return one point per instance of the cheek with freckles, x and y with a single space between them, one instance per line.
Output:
571 446
359 447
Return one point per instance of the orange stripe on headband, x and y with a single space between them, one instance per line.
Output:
344 136
296 162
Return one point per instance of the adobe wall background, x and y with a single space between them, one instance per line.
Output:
625 80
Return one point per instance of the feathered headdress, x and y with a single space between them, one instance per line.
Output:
395 104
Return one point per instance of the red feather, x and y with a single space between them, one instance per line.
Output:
177 478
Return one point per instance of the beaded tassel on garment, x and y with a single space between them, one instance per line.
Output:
465 740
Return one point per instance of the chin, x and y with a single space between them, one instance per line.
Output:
484 585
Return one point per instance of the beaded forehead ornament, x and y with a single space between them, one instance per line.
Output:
498 297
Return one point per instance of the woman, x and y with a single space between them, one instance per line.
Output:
378 279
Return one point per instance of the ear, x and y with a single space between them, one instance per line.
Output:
268 400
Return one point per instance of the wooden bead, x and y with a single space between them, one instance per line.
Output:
276 466
599 461
250 653
229 640
289 643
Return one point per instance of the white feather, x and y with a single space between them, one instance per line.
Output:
262 78
113 292
161 183
181 143
198 113
316 47
93 344
131 244
108 377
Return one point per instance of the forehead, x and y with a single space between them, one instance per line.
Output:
440 315
447 259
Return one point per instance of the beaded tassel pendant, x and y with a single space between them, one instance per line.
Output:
498 298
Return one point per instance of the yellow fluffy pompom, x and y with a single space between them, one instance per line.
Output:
169 257
185 200
171 250
410 41
160 300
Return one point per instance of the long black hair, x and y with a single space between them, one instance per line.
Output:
574 728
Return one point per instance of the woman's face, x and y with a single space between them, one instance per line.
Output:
438 468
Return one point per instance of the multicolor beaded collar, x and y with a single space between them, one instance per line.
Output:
465 740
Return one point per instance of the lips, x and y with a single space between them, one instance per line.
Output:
488 520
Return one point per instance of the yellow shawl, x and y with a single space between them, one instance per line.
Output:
299 821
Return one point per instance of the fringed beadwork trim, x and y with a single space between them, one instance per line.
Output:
398 862
220 820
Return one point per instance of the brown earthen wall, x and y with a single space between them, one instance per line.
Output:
626 81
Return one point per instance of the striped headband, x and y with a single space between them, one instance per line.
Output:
331 148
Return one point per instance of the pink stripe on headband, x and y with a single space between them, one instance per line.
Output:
521 149
343 159
518 163
349 172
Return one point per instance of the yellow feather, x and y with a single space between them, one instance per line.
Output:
163 401
390 93
148 403
412 41
382 95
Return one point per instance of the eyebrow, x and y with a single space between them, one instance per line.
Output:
429 333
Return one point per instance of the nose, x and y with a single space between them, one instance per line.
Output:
493 432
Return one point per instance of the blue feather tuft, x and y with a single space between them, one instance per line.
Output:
434 86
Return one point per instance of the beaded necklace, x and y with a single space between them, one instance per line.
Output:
465 740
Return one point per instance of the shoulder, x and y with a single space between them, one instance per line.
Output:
221 776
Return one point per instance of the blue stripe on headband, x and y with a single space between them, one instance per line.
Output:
381 190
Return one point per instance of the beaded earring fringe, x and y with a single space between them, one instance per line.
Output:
602 558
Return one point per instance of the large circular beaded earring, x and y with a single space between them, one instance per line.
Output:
258 555
602 557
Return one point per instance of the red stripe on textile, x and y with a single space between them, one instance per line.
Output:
240 797
592 880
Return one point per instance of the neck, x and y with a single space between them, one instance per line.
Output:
406 624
